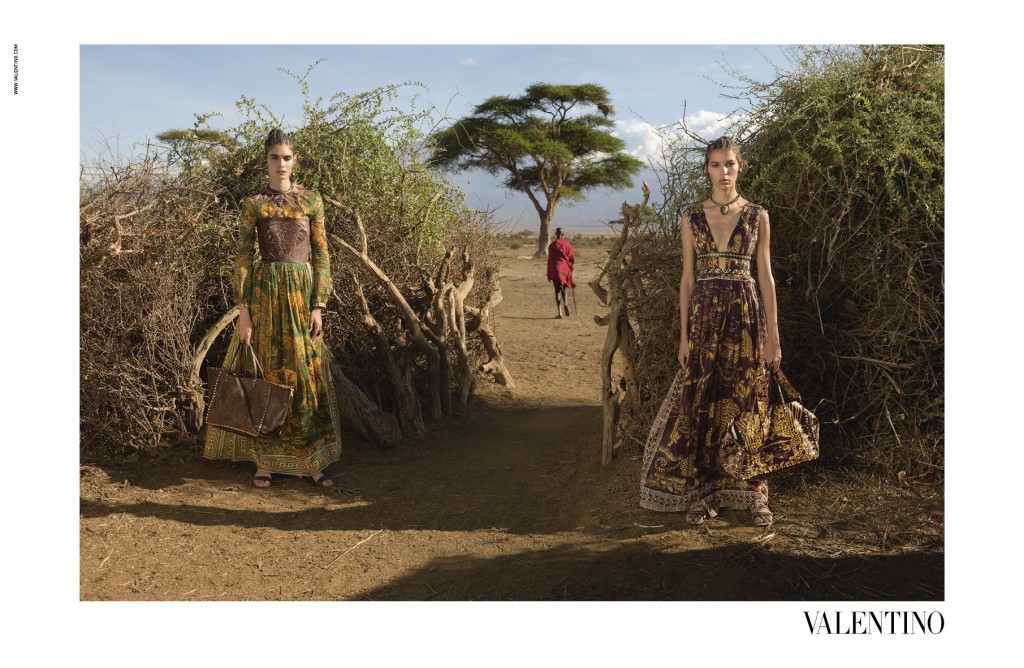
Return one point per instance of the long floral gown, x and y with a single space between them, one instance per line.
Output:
291 276
722 378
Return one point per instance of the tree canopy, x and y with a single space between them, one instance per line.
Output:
552 143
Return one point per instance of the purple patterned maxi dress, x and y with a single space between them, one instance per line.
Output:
723 377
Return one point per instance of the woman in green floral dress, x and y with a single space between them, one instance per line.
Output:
281 296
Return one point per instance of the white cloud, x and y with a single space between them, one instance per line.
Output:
641 139
709 124
644 141
468 62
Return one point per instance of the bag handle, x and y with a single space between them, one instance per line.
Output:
783 386
256 363
252 280
241 385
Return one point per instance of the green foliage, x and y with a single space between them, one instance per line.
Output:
542 143
361 150
191 151
157 240
205 136
847 151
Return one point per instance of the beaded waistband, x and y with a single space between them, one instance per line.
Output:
728 256
728 274
741 272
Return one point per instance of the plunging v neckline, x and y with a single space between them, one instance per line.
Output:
711 233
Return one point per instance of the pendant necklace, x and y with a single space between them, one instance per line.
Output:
724 208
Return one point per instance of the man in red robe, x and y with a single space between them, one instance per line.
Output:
560 260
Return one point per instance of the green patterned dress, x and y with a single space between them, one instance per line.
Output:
291 275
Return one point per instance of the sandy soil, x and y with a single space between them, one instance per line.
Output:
506 501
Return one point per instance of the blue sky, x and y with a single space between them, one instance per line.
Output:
131 93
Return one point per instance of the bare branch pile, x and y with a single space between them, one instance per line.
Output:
414 274
846 152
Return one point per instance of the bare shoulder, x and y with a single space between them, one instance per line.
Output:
762 214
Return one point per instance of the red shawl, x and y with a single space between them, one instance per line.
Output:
560 260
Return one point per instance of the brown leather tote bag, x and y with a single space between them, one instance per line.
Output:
247 406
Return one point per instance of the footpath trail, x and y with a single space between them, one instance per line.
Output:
508 501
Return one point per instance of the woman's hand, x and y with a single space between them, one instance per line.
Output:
244 326
771 356
316 323
684 351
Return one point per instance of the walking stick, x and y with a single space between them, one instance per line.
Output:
574 308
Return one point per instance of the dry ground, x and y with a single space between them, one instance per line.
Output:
506 501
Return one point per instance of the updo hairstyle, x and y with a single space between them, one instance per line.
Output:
276 137
729 144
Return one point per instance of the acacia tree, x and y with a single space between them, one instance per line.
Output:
543 144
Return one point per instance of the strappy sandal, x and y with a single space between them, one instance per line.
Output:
267 477
319 482
762 514
696 515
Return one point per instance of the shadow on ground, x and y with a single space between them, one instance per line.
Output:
635 571
492 473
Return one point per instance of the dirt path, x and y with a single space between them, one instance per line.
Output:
508 501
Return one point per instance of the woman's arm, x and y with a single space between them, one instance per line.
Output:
772 353
686 283
320 260
241 275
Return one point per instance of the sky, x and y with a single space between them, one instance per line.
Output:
131 93
40 158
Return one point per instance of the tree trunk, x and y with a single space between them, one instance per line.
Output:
544 239
476 321
437 331
457 325
609 393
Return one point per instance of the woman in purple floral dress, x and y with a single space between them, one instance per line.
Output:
728 340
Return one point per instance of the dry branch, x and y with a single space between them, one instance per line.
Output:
476 321
418 331
362 415
620 337
407 404
197 393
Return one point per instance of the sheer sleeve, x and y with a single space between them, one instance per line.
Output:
245 253
320 259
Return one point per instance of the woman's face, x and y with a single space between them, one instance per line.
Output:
281 161
723 168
